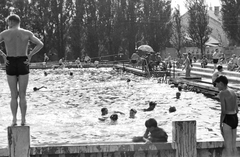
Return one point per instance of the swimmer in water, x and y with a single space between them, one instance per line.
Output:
151 107
172 109
114 117
179 88
132 113
153 133
178 94
105 112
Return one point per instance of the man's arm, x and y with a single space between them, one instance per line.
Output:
1 52
146 133
235 97
38 43
223 111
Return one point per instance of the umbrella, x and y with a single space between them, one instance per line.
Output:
145 48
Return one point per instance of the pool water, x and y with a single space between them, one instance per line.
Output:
67 111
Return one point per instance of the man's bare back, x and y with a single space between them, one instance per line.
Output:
16 41
17 61
228 99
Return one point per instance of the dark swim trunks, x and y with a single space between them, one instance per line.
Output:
133 61
16 66
231 120
215 61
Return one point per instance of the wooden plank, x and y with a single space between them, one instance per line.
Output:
19 141
184 138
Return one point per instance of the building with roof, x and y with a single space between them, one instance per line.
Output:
218 36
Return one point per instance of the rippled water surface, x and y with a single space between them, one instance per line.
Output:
67 111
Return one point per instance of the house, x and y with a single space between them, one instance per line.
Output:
218 36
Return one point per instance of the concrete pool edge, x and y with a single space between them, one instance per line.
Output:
203 148
184 144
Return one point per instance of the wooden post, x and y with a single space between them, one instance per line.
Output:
19 141
184 138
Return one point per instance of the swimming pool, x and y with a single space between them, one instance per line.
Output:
67 111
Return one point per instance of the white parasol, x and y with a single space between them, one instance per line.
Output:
145 48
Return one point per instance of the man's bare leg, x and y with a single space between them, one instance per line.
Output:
23 82
234 133
227 133
12 82
214 68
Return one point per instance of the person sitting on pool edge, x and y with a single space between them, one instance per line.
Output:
151 107
132 113
153 133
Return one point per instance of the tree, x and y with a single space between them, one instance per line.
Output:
5 6
156 23
198 20
119 27
77 30
104 27
42 26
21 8
231 20
178 35
91 44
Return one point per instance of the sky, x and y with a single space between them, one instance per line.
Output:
183 9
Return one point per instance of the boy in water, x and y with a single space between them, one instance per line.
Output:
105 113
132 113
152 134
229 118
151 107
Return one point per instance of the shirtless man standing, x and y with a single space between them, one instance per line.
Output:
17 62
229 118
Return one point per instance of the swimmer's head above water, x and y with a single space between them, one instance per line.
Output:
152 104
178 94
104 111
132 113
114 117
179 88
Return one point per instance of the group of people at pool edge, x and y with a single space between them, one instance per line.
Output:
17 62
